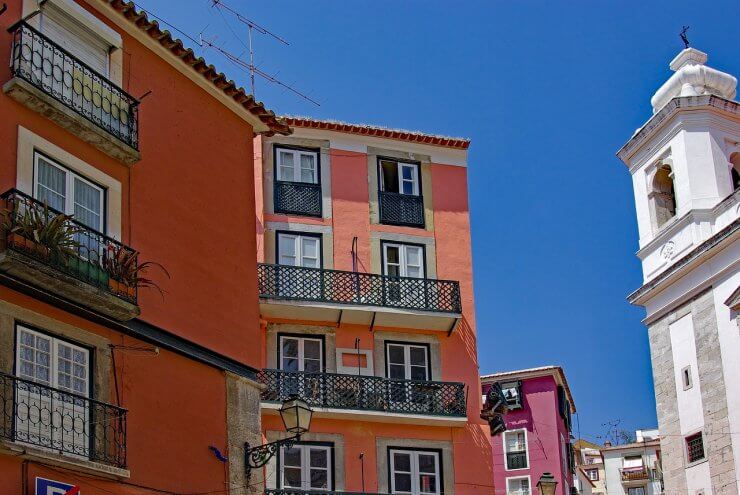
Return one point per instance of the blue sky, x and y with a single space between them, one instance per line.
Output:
547 91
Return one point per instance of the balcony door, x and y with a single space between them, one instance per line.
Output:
405 365
302 360
399 177
515 449
307 466
415 472
53 414
299 250
401 262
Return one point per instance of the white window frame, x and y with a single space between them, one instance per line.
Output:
297 239
301 350
407 359
402 258
414 455
505 449
635 488
509 491
400 165
305 449
593 470
69 177
297 153
53 360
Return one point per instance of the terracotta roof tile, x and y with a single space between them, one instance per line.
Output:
198 64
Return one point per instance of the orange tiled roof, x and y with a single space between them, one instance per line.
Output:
378 131
198 64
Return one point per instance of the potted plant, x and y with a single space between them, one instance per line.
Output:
126 272
40 232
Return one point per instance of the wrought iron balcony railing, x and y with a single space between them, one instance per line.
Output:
47 66
516 460
635 474
298 198
365 289
83 253
401 209
372 393
54 419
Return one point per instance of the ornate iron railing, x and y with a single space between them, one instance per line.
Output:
49 418
85 255
635 474
299 198
401 209
371 393
516 460
41 62
366 289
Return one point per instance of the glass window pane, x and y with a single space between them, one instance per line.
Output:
427 483
408 188
392 255
286 166
292 457
427 463
319 478
287 245
407 172
413 256
418 356
319 458
308 168
290 347
397 372
312 366
88 203
396 354
51 184
419 373
402 482
401 462
290 364
312 349
292 477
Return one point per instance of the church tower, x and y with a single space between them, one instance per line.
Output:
685 167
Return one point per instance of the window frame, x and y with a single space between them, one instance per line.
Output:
518 385
70 175
91 357
296 233
399 163
279 350
641 487
427 348
526 449
687 378
329 446
415 451
383 261
686 440
296 150
518 478
592 470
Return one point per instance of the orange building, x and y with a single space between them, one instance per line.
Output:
366 300
106 389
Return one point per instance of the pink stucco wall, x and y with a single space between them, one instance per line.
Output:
544 427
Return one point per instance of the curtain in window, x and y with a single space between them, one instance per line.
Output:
51 185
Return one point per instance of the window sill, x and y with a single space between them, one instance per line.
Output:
63 461
696 463
28 95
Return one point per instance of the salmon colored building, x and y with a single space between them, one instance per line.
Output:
105 389
367 312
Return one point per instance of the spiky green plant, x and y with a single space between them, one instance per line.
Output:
122 265
54 231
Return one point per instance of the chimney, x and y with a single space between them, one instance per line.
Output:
607 444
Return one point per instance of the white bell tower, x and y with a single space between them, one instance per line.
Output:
685 167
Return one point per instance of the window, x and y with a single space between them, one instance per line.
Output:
735 170
307 467
694 448
58 364
512 394
686 378
299 250
592 474
297 165
301 354
399 177
663 195
515 449
67 32
518 486
407 361
636 490
63 190
403 260
632 462
414 472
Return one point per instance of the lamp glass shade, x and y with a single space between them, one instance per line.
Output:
547 484
296 415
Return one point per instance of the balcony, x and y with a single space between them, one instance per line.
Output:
51 81
316 294
298 198
516 460
332 395
53 420
401 209
638 474
53 252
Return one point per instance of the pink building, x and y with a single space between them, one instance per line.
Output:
538 426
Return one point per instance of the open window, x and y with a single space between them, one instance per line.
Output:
663 195
735 170
515 449
512 394
400 197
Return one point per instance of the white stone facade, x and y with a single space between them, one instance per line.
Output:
685 166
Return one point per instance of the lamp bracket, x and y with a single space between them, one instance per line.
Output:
257 457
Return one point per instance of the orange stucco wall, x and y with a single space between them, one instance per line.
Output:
350 217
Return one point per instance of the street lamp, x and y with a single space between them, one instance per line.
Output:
547 484
296 415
